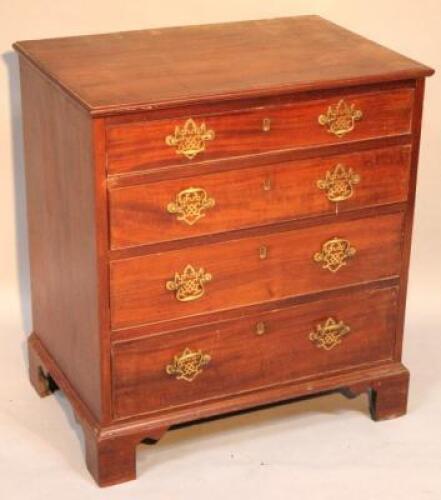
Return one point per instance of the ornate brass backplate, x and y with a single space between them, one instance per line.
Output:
190 139
334 254
339 184
189 285
340 119
190 204
329 335
188 365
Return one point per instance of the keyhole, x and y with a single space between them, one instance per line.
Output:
267 184
266 124
263 252
260 328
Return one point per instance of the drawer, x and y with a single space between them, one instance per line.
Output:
194 206
227 358
341 118
205 279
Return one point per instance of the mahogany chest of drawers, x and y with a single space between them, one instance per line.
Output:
219 218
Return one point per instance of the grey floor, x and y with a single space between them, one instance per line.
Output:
324 448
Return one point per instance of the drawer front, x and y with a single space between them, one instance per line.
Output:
195 206
220 276
227 358
331 120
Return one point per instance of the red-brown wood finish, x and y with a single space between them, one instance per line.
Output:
137 146
108 453
240 276
100 175
62 232
405 259
246 358
146 69
102 269
256 196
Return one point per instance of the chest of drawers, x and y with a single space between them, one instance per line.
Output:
219 218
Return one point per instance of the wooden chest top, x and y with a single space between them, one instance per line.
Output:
141 70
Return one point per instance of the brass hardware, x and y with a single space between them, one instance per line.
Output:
190 204
260 328
267 184
340 119
266 124
190 284
334 254
329 335
190 139
339 183
188 365
263 252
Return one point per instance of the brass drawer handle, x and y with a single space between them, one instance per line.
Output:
188 365
190 204
329 335
189 285
334 254
340 119
339 184
190 139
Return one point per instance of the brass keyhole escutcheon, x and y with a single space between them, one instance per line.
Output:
263 252
260 328
266 124
267 184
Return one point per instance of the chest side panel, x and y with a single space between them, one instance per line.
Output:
60 179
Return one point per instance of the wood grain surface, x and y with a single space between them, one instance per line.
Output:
140 145
240 277
129 71
60 182
256 196
241 360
